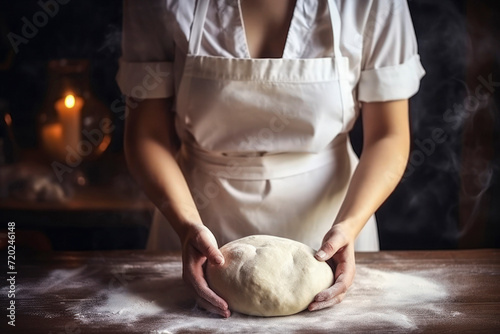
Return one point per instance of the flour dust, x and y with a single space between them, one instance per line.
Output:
154 299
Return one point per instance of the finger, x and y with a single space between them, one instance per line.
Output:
203 291
345 271
197 281
315 306
330 246
207 245
335 290
344 276
210 308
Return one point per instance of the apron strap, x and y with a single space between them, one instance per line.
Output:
341 69
200 14
336 27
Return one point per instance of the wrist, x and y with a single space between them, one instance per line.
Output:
186 229
350 228
182 218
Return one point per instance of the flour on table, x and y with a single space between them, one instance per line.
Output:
154 299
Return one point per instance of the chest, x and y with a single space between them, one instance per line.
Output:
266 25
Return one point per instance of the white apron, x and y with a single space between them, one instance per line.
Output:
265 146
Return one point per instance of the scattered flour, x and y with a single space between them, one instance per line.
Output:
128 306
154 299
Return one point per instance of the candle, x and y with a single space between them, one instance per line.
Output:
52 139
69 109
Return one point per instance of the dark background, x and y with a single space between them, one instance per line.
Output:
449 196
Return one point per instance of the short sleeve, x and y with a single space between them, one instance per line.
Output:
148 48
391 68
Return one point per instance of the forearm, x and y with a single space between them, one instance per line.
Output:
379 171
381 166
150 148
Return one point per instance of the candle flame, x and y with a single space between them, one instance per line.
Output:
69 101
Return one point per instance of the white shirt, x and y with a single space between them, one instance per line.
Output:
377 37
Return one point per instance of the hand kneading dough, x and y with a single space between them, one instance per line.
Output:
268 276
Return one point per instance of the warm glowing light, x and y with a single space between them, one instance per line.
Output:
103 145
8 119
81 180
69 101
68 109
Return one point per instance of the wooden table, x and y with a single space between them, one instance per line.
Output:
141 292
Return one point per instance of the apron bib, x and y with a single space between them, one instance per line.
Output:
265 147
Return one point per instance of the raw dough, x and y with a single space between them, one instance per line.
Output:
268 276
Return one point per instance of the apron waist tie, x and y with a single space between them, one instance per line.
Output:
265 167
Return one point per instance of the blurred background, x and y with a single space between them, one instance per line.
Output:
58 61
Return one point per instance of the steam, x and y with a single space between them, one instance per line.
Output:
445 105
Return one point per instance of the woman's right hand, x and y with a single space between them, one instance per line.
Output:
198 246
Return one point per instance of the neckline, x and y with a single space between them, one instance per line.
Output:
201 12
286 46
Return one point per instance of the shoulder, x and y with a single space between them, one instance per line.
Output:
364 12
180 10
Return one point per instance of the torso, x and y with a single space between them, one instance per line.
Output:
265 146
266 26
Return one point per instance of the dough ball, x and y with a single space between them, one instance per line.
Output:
268 276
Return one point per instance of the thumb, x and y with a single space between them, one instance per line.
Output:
207 245
331 244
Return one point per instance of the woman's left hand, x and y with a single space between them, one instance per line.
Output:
338 251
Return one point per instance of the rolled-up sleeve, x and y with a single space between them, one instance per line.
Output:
146 66
391 68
